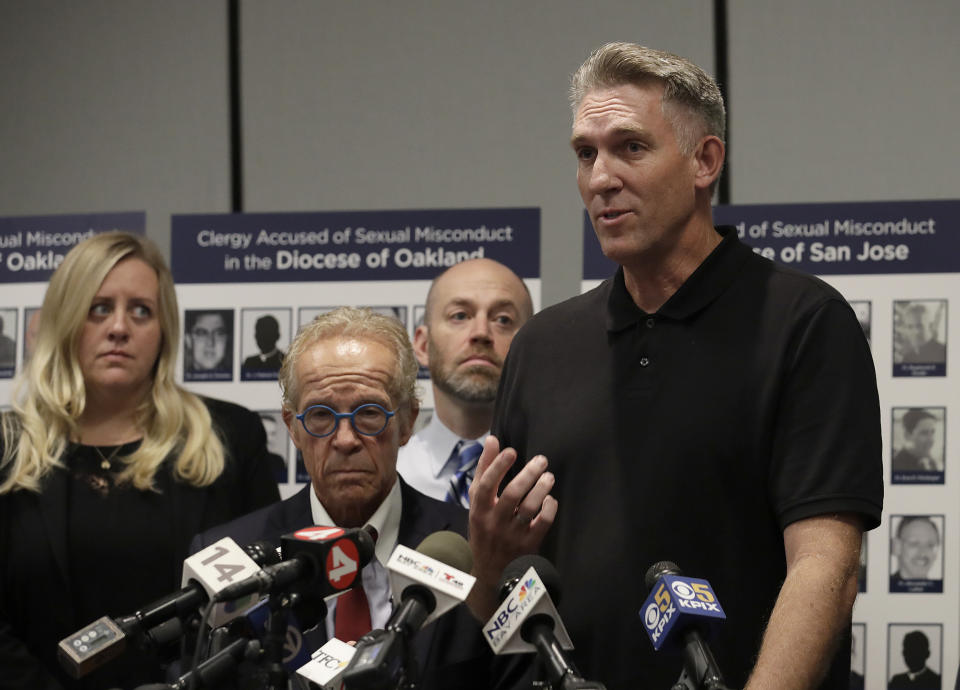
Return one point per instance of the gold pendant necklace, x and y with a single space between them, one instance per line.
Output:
106 462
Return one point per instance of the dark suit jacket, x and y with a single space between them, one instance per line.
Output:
36 610
451 651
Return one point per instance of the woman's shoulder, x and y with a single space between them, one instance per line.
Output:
226 412
238 427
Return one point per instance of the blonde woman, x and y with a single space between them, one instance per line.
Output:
108 467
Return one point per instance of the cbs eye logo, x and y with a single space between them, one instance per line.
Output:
651 616
660 604
689 591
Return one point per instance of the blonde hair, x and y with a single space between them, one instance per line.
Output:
50 395
357 323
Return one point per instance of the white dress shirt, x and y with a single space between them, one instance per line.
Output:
425 461
376 580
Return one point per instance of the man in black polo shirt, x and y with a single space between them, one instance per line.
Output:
704 406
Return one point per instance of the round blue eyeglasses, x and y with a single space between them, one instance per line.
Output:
369 419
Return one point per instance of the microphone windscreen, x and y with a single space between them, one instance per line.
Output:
658 570
366 545
545 569
263 552
450 548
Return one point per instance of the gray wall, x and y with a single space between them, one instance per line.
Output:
844 101
122 104
113 105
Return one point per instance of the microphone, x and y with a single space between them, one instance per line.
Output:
304 612
212 672
328 558
675 612
204 572
525 590
328 663
431 580
527 621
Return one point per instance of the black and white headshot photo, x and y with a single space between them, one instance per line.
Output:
862 568
858 658
308 314
914 653
916 553
31 320
208 345
920 337
300 474
419 313
265 336
278 442
862 309
8 342
918 445
398 312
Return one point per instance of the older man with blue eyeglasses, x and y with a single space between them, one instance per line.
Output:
349 403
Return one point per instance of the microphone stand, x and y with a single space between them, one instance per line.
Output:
384 661
560 674
214 670
700 669
685 683
411 670
273 642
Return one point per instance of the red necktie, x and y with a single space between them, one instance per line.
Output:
352 618
353 614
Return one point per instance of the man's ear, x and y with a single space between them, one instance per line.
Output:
421 338
709 156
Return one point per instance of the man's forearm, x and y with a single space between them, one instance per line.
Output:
812 612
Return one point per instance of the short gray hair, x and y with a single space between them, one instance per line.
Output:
356 323
692 101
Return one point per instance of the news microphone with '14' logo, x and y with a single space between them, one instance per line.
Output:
204 574
675 602
215 568
329 559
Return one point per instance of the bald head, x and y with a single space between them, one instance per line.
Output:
480 274
473 311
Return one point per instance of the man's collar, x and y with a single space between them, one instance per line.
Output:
437 436
708 281
385 519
